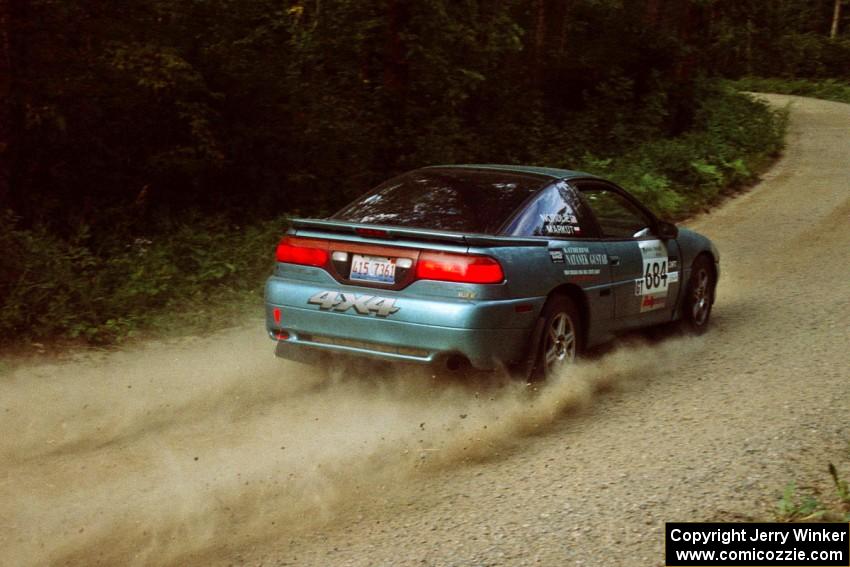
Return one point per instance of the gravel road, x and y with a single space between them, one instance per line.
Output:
209 451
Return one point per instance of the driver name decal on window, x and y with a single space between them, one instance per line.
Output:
560 224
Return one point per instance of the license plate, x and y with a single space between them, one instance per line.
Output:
372 269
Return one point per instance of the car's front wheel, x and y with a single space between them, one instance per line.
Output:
560 339
699 295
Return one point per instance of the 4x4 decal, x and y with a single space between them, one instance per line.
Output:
363 304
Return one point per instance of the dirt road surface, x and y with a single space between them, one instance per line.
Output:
210 451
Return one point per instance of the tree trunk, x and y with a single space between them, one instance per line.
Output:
395 60
565 18
539 40
836 17
5 102
652 12
748 48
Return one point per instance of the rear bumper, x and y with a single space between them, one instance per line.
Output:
486 333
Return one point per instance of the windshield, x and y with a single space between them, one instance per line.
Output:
464 200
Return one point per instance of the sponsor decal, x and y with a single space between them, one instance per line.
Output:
557 256
582 275
559 219
362 304
560 229
560 223
581 256
652 302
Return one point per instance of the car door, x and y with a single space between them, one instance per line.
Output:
576 253
644 268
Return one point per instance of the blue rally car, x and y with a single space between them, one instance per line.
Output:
484 265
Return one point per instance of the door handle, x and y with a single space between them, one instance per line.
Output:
614 260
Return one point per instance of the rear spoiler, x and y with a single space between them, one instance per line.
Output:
402 233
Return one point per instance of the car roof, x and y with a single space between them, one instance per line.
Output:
550 172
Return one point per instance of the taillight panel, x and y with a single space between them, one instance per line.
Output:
303 251
462 268
412 264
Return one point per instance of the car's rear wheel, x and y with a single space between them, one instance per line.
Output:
699 296
560 339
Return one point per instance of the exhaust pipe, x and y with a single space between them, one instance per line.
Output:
456 362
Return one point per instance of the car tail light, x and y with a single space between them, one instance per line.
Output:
304 251
463 268
372 232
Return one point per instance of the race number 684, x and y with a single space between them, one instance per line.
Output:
655 275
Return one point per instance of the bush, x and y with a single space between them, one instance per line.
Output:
828 89
733 137
53 288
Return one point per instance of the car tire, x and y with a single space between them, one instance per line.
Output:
699 296
559 343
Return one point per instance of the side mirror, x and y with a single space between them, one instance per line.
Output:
666 230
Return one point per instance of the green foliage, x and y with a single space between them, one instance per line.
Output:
62 289
793 507
787 39
828 89
842 489
733 138
253 108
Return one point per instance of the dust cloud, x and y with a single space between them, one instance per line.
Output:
164 454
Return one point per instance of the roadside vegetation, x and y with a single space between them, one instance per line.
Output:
195 275
810 506
151 152
827 89
734 140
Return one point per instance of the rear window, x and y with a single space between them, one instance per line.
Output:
464 200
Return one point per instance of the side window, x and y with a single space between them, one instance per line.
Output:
617 217
556 212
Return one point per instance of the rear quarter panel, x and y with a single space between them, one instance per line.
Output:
537 272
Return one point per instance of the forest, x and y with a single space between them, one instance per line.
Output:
152 150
